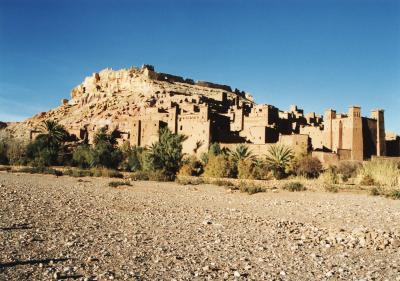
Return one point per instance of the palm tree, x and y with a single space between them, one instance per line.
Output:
241 152
52 133
102 136
278 159
166 154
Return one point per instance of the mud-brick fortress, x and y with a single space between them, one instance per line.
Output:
139 101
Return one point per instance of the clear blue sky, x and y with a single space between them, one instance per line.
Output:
316 54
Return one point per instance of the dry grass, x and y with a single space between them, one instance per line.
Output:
384 173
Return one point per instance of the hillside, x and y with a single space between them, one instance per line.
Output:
113 97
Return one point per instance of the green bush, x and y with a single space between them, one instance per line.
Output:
45 149
119 183
294 186
106 155
217 167
135 159
82 156
165 156
308 166
105 152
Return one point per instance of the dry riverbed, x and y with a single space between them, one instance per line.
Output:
82 229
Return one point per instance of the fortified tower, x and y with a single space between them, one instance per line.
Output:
356 137
330 114
378 115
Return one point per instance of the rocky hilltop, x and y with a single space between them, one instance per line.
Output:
114 97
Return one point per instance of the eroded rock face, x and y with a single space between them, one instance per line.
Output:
113 97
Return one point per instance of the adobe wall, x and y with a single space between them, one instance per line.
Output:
327 158
198 135
378 115
393 146
298 143
196 126
369 137
149 131
213 85
316 135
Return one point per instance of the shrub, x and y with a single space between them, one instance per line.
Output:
375 191
82 156
3 152
250 189
119 183
135 158
308 166
16 151
246 169
204 158
294 186
104 152
278 159
165 156
40 170
223 183
367 180
347 169
191 167
329 176
105 155
252 169
44 150
331 188
39 154
140 176
189 180
77 173
159 175
394 194
106 173
215 149
217 167
5 169
381 172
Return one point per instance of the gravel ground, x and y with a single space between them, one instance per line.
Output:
82 229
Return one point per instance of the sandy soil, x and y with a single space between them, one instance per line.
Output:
82 229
